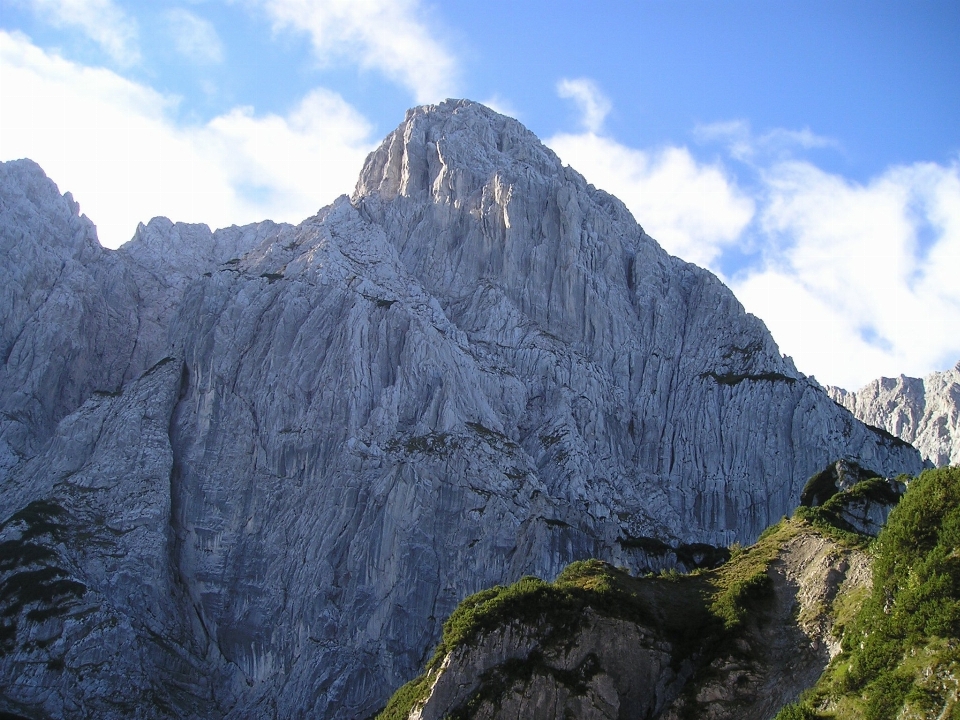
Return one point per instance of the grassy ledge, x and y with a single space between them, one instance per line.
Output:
694 611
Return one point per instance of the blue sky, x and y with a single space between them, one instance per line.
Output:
807 152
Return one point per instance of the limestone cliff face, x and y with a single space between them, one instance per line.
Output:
923 411
76 318
477 367
95 618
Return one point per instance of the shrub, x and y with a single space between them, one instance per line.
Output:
904 637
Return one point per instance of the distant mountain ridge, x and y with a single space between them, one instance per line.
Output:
246 473
924 412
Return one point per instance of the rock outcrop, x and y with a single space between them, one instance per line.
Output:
606 667
853 498
477 367
925 412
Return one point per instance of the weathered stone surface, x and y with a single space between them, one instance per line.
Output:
98 628
923 411
475 368
76 318
611 668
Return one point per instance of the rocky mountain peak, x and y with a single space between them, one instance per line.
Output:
32 205
922 411
476 368
448 152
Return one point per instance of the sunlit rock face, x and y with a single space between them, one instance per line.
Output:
477 367
924 412
76 318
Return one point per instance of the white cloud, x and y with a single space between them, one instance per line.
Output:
384 35
693 210
193 37
859 281
301 160
113 143
594 106
854 281
779 143
100 20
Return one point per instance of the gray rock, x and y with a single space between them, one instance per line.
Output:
94 603
76 318
624 669
477 367
924 412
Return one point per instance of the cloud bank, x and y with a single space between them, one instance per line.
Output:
859 281
116 145
855 281
384 35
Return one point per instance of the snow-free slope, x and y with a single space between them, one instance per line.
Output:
477 367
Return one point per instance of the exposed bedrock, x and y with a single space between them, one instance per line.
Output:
477 367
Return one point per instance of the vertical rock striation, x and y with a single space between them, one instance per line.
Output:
477 367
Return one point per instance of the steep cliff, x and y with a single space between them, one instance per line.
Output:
923 411
75 318
477 367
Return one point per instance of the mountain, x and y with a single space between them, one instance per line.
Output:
925 412
247 473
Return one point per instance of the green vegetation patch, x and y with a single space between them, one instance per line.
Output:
39 517
439 444
29 578
901 653
743 582
496 440
832 525
736 378
560 605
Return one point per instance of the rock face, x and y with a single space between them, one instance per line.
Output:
91 603
76 318
923 411
853 498
477 367
609 668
